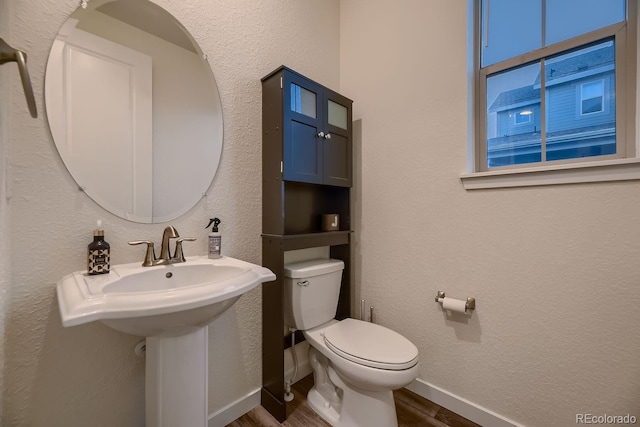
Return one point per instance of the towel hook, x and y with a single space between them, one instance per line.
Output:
9 54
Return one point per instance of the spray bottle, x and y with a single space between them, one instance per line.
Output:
98 253
215 239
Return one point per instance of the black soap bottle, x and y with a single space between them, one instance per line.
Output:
98 253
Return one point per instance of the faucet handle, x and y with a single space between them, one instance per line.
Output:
178 254
150 255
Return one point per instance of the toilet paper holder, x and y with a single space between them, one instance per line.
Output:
470 304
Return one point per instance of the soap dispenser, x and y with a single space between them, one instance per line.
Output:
98 253
215 239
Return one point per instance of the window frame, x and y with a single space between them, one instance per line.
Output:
624 35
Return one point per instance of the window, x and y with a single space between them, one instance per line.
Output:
523 117
592 97
554 81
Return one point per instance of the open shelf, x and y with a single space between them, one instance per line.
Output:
290 242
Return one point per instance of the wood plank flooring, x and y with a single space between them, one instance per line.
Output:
412 410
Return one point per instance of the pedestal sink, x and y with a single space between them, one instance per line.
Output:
171 305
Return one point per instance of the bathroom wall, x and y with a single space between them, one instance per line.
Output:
89 375
4 211
554 269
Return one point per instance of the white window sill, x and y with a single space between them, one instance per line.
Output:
601 171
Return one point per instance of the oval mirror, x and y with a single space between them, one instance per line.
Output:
133 109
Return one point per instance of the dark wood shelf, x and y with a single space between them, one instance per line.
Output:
291 242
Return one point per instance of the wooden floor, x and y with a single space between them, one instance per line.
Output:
412 410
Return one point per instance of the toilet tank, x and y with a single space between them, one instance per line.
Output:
312 289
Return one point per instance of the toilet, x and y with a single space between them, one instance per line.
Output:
356 364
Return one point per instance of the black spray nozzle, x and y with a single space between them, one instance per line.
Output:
215 222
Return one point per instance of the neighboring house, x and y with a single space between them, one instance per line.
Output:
580 112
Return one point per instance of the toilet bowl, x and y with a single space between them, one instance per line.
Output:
356 364
366 390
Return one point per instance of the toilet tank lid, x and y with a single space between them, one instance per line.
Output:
314 267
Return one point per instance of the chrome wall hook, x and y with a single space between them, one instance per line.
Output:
9 54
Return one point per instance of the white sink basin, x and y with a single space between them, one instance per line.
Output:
162 300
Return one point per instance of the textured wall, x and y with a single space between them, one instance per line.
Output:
88 375
554 269
4 210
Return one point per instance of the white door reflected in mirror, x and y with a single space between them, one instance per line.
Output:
134 110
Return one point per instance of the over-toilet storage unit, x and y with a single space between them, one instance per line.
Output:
306 172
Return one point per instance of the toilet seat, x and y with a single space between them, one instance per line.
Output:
370 345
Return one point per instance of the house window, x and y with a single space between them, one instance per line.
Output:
531 57
523 117
592 97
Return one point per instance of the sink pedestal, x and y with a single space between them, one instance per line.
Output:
171 306
177 380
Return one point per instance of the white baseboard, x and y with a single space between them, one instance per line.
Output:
234 410
460 406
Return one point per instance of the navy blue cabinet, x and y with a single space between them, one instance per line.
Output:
316 131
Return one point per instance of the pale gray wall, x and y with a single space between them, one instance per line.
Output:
88 375
554 270
5 272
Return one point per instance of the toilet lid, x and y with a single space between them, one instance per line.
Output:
371 345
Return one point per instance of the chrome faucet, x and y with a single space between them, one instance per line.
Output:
165 256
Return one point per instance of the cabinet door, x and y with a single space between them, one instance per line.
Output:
302 123
337 140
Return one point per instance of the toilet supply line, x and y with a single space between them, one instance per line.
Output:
288 396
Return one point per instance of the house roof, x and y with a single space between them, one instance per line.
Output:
521 95
578 65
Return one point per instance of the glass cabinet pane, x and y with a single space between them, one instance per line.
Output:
303 101
338 115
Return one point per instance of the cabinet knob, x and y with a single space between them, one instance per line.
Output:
327 136
320 134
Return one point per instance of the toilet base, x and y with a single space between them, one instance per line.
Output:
343 405
323 407
364 408
323 397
